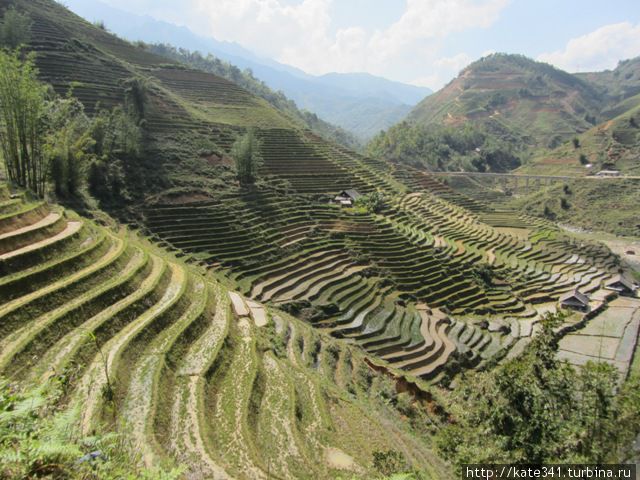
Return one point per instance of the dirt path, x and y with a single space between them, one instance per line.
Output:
274 424
232 399
339 460
142 393
313 431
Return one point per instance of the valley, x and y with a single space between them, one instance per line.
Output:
318 314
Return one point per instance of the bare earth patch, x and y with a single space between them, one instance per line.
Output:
339 460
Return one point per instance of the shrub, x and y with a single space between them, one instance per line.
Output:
576 142
483 274
15 29
538 409
583 159
390 462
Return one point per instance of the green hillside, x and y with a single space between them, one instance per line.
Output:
133 339
385 278
516 99
249 327
617 84
506 110
614 144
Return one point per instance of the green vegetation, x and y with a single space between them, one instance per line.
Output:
117 144
373 202
45 137
437 147
400 302
108 325
15 29
583 206
246 80
537 409
514 99
22 113
37 440
68 146
246 155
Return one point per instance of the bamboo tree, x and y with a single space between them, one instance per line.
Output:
246 154
22 114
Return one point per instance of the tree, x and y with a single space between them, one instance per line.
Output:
583 159
22 122
117 139
69 145
576 142
136 92
373 202
548 213
15 29
246 154
538 409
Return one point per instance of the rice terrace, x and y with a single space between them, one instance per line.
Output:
215 264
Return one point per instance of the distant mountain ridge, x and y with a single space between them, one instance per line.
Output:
361 103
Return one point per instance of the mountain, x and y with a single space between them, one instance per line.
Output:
614 143
361 103
503 111
618 84
515 98
368 85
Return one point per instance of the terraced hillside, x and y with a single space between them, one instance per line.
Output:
431 277
515 98
613 145
191 117
151 347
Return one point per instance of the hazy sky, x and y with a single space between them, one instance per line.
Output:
425 42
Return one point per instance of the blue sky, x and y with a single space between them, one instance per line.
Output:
425 42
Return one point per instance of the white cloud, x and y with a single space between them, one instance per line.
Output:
444 68
301 34
597 50
432 19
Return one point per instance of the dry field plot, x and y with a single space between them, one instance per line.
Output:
609 337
